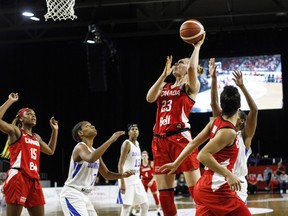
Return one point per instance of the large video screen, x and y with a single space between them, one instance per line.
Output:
262 76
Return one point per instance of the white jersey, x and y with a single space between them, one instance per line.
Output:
133 162
135 192
82 175
240 166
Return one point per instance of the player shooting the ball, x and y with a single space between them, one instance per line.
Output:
172 128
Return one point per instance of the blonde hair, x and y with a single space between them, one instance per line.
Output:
200 69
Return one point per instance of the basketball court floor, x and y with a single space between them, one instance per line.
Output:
260 204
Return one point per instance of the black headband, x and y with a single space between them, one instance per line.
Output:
131 125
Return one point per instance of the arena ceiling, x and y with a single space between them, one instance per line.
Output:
138 18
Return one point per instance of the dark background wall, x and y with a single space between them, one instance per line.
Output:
55 79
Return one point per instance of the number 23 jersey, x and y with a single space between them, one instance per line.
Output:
173 109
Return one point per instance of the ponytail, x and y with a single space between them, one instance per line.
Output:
5 153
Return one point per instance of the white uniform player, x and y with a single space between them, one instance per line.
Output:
135 192
132 191
85 163
81 179
240 166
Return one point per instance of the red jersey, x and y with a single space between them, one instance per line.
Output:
228 155
25 155
173 109
146 172
212 193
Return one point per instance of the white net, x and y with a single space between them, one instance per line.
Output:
60 10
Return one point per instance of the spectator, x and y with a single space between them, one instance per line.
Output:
258 158
267 176
280 168
252 183
181 187
274 182
283 179
252 160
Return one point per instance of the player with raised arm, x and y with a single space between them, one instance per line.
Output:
215 190
171 131
22 185
246 125
85 163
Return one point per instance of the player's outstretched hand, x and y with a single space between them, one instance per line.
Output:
53 123
116 135
238 77
128 173
13 97
168 68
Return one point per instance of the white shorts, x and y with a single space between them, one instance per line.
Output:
135 195
243 193
74 202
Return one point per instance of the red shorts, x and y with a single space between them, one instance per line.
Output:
166 150
222 201
153 187
21 190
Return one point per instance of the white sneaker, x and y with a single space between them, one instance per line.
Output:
281 191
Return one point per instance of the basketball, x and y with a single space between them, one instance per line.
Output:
191 31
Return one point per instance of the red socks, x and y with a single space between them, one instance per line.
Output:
156 198
167 202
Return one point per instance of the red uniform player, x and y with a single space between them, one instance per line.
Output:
146 173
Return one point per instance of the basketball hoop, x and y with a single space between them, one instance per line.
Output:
60 10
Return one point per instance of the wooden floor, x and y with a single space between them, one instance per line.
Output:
275 202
